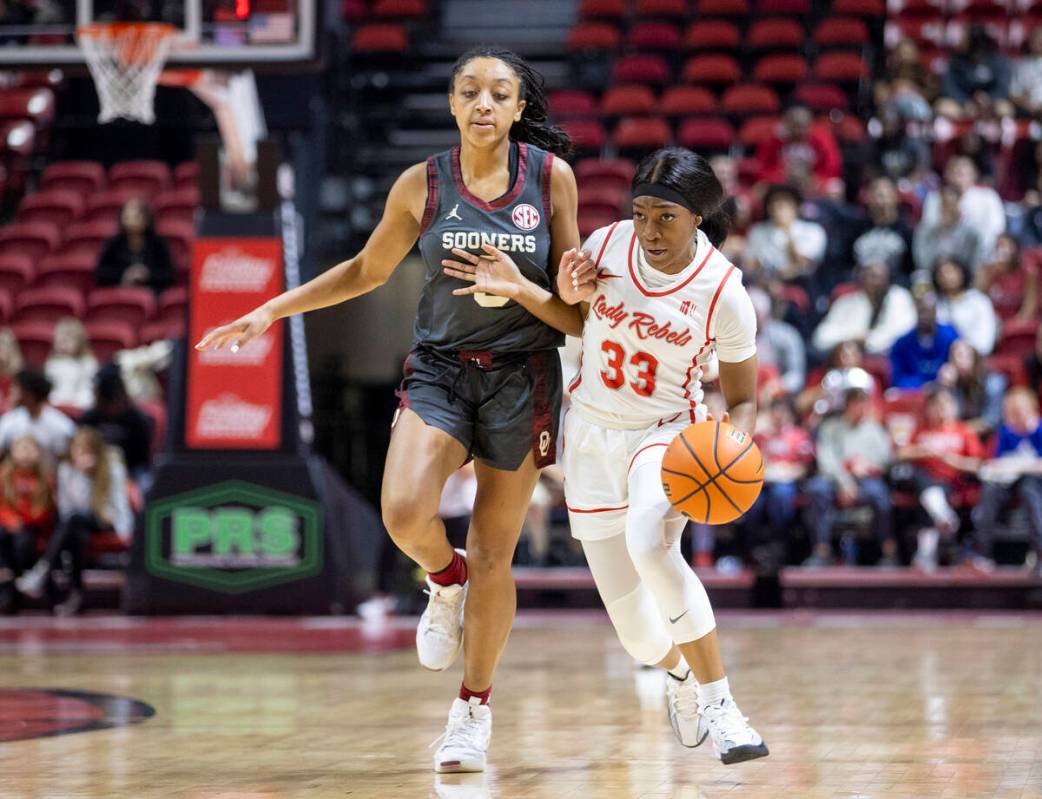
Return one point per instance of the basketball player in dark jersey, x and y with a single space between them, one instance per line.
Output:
483 380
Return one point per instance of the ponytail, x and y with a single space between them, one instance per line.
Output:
533 127
719 224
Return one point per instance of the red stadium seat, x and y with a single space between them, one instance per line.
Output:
156 411
643 68
775 34
780 69
32 239
682 101
47 304
654 36
860 8
603 9
661 8
179 238
158 331
723 8
353 11
707 134
712 34
186 175
619 170
569 104
756 129
6 306
143 177
35 104
88 237
820 97
108 338
1012 366
172 305
1017 337
399 9
179 204
589 221
842 32
55 207
16 272
711 68
625 100
903 401
380 38
848 129
642 133
795 7
586 134
84 177
924 31
841 67
592 193
108 205
594 36
34 339
74 269
750 98
130 304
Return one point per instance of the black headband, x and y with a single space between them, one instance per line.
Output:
663 193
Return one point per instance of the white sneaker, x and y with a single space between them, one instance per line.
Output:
682 703
31 583
734 741
465 740
439 636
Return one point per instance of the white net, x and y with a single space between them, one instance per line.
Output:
125 60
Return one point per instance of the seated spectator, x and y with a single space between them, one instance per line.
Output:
788 453
778 344
948 235
963 307
10 364
876 314
784 247
92 498
800 152
977 78
942 450
980 207
885 235
137 255
978 392
71 365
121 424
908 89
32 416
853 455
827 385
1014 471
26 510
141 366
918 356
1011 282
897 153
1025 88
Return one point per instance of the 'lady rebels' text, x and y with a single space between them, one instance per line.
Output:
643 324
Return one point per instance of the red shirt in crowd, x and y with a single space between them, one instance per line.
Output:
792 446
24 510
818 154
1008 288
953 439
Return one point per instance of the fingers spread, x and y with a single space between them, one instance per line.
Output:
465 291
459 273
491 250
466 256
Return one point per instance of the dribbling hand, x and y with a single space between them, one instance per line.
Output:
576 276
238 333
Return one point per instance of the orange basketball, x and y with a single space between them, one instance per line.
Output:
712 472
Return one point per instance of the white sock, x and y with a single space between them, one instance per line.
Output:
710 693
936 504
680 671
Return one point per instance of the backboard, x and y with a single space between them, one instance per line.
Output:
226 34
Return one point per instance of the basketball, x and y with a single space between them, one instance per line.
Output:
712 472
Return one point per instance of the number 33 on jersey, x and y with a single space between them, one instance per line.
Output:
647 332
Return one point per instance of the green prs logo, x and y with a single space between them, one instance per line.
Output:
233 537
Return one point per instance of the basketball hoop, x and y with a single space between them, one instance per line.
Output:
125 59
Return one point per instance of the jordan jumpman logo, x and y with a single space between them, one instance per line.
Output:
454 214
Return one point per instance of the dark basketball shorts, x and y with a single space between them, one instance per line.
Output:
499 406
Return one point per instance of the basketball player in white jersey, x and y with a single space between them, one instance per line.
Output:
658 300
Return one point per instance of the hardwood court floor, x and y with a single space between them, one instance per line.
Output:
898 706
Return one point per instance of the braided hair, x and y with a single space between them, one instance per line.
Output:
533 127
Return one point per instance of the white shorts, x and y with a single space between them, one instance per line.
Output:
597 464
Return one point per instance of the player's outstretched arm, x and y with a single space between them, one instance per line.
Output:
389 243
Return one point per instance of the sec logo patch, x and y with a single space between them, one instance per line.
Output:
526 217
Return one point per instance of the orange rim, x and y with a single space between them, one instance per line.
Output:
180 77
134 42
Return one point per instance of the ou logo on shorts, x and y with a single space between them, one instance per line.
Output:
526 217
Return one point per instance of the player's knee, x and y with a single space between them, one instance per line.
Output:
644 541
404 517
487 558
639 627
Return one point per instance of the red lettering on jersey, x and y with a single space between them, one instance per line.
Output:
646 327
615 314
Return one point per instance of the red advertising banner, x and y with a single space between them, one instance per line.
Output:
234 398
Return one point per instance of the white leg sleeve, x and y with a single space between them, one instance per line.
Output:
629 604
653 541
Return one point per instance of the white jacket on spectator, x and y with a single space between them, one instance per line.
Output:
52 430
768 245
75 490
981 208
73 380
973 315
850 316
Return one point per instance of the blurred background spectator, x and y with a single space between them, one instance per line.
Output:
962 306
918 356
801 152
778 344
977 391
31 415
874 311
122 424
946 235
11 363
783 246
71 366
26 513
137 255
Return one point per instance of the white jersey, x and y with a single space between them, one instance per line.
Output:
647 333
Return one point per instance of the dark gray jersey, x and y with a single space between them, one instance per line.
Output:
518 223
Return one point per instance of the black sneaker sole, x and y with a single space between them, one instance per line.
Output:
740 754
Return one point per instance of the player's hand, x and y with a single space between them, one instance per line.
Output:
492 273
725 420
238 333
576 276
